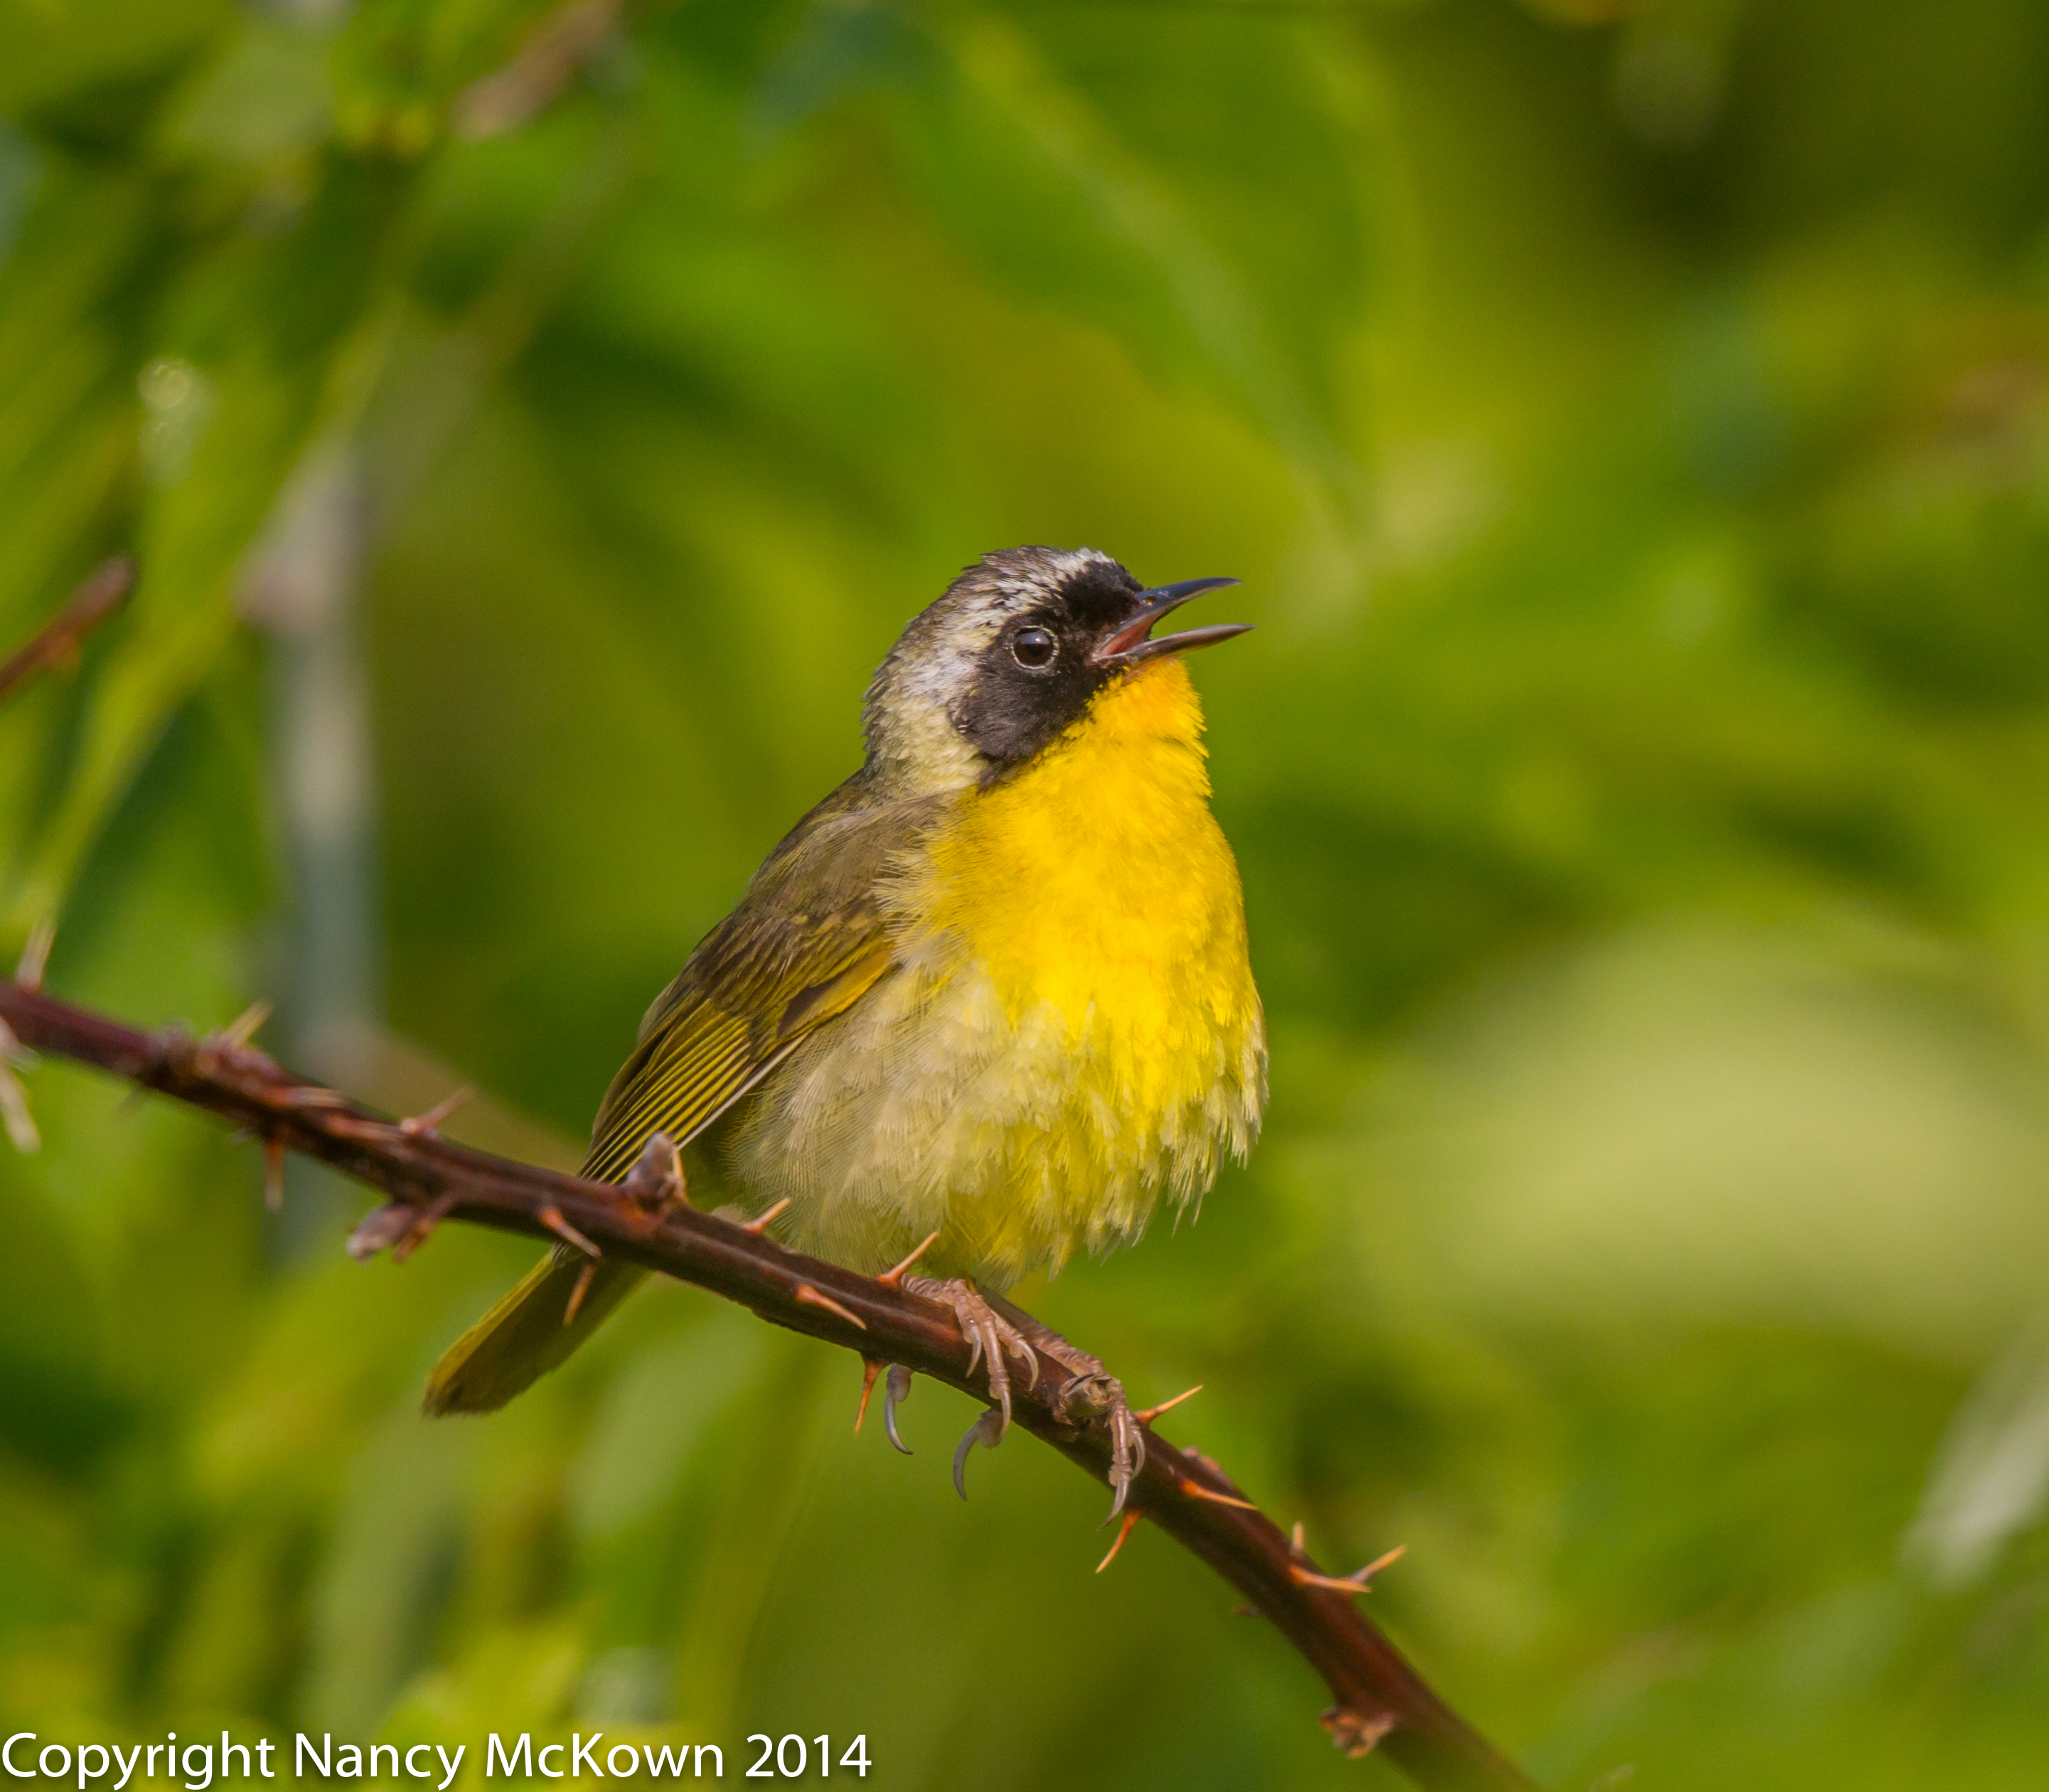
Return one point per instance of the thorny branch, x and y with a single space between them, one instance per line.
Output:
1381 1701
103 592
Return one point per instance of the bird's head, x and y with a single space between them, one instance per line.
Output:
1014 653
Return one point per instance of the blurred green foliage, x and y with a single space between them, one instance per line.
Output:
1632 422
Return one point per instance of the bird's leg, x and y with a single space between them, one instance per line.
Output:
990 1337
994 1329
1093 1394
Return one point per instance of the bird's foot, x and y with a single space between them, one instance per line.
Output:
995 1329
991 1338
1093 1393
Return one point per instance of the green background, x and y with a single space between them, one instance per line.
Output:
1631 422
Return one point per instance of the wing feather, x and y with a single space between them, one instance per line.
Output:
687 1074
808 940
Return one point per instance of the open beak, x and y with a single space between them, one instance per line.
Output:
1132 644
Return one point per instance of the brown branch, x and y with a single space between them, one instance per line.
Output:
1381 1700
104 591
546 63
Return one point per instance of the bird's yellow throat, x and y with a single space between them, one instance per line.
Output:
1096 884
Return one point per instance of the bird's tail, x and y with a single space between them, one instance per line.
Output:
529 1333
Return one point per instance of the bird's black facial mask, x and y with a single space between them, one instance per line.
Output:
1037 677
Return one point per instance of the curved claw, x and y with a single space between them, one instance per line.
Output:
1030 1361
1095 1394
897 1389
990 1336
987 1336
999 1383
987 1430
1127 1454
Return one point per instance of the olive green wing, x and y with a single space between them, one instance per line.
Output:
738 1016
808 940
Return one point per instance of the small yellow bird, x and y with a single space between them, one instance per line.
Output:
994 987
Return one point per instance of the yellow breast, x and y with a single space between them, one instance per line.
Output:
1097 882
1071 1031
1096 892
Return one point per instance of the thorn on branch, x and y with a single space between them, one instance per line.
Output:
1152 1412
811 1297
1357 1734
1356 1582
422 1228
871 1366
585 1277
894 1278
231 1046
380 1229
1195 1490
399 1224
245 1026
274 1181
14 1113
1123 1531
551 1217
35 954
425 1125
761 1222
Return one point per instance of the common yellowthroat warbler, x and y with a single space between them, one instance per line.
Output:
994 987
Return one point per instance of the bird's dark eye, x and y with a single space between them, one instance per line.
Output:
1034 648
